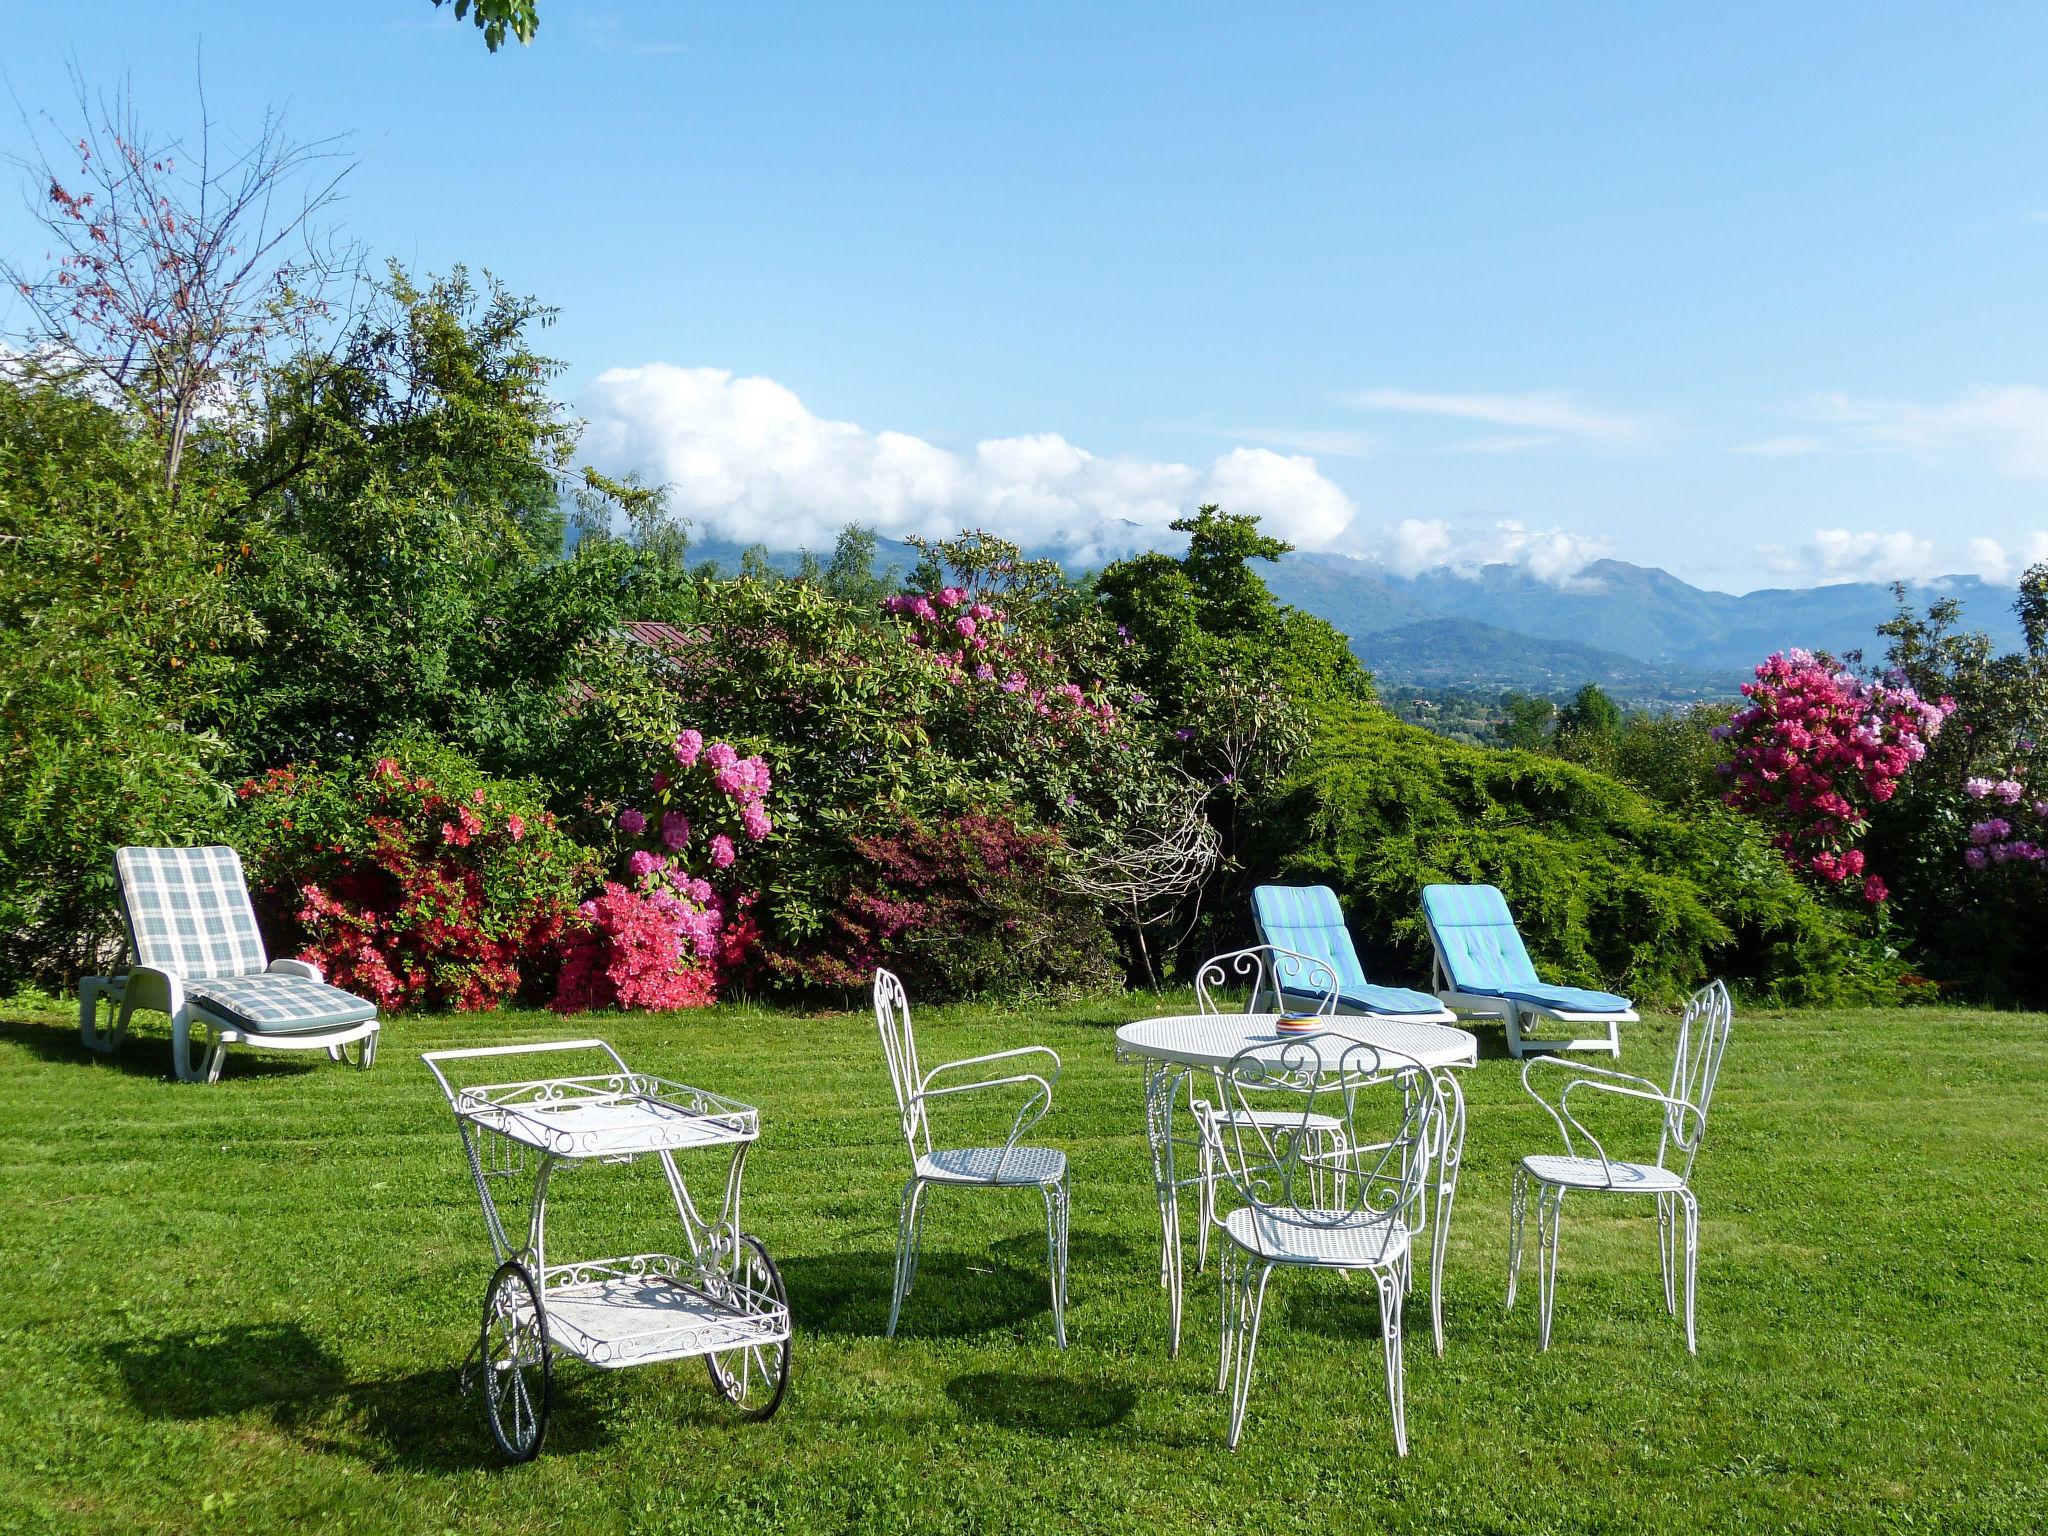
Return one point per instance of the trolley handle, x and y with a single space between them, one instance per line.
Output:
433 1059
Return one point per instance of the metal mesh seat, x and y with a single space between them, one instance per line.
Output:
1332 1238
1591 1173
994 1165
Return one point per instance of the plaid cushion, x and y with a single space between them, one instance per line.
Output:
188 911
281 1005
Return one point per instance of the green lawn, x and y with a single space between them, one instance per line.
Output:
242 1308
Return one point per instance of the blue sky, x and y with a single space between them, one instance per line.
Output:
1756 293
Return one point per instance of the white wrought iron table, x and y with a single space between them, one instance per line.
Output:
1175 1047
720 1297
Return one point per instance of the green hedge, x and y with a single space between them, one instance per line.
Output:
1609 888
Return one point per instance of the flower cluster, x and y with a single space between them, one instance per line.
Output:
412 883
969 640
2000 839
1814 748
666 936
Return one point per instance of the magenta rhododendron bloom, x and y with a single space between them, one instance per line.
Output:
688 745
722 852
632 822
675 830
1815 747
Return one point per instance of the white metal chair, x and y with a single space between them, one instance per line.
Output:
1585 1163
1299 1204
1010 1166
195 954
1278 980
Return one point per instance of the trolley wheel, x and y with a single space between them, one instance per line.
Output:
518 1365
754 1377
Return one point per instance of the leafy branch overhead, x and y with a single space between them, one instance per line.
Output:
496 18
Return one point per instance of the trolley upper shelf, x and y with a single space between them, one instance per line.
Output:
614 1112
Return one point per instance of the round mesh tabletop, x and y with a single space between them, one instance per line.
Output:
1215 1039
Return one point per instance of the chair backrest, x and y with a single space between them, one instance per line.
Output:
187 911
1269 972
1478 947
1702 1040
1290 1172
899 1045
1307 920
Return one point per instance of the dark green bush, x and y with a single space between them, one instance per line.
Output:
1609 889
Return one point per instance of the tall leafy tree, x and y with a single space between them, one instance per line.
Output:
405 512
114 615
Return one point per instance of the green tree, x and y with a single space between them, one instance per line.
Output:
1589 724
1525 723
405 515
114 612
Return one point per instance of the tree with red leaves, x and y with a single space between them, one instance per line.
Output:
175 272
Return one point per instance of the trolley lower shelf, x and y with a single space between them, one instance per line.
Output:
622 1320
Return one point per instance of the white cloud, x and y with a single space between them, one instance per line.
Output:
748 461
2003 563
1547 412
1415 545
2004 427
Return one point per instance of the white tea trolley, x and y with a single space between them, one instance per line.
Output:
721 1296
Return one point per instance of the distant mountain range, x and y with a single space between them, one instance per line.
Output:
1642 634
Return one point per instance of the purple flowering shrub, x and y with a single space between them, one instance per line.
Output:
963 906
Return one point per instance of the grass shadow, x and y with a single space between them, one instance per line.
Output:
140 1054
1041 1404
421 1421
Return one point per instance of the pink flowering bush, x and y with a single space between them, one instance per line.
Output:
974 645
667 936
411 878
1814 750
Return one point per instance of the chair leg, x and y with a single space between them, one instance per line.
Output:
1667 1219
1518 1206
1391 1296
1692 1264
206 1070
1247 1350
91 992
907 1220
1512 1017
1205 1204
1228 1269
1550 1215
1056 1251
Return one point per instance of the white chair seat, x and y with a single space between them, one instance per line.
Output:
1267 1119
1331 1238
1590 1173
1029 1166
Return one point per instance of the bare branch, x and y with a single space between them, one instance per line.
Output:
172 288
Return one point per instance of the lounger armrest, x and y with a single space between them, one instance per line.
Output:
147 987
305 968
